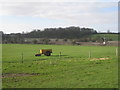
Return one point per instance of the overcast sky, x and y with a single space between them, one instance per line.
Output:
18 16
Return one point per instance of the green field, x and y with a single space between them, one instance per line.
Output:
111 37
76 67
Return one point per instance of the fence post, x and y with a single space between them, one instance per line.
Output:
22 57
50 62
59 54
116 51
89 54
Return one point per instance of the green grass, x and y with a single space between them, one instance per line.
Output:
112 37
73 69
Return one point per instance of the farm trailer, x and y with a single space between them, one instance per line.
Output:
46 52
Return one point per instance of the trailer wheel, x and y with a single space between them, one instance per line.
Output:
48 53
37 54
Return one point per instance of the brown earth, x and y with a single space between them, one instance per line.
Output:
95 59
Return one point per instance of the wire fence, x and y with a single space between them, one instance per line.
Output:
28 57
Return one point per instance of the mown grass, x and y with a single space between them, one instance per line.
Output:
73 69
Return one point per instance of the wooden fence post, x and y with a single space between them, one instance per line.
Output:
89 54
116 51
59 54
22 57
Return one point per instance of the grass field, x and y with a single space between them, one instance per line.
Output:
112 37
76 67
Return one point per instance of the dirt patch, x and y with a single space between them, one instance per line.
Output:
95 59
19 74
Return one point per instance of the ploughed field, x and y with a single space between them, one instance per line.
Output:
68 66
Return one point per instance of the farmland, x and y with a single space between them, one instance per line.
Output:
76 67
111 37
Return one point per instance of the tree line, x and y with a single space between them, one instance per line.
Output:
61 33
55 33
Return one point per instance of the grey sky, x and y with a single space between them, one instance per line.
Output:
26 16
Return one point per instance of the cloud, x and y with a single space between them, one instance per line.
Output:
71 13
48 8
59 0
19 28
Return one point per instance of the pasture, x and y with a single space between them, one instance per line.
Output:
112 37
76 67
